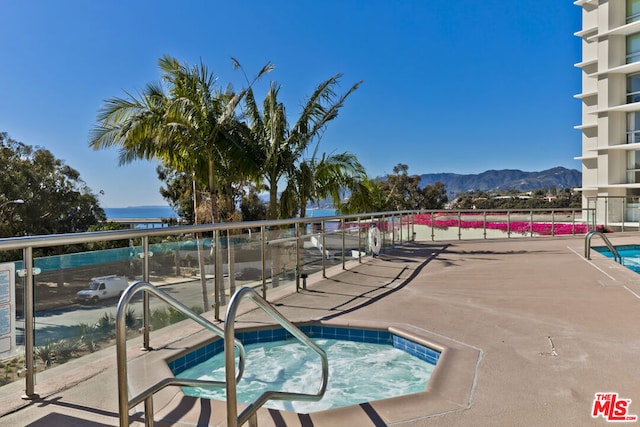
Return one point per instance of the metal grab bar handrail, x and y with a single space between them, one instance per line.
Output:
587 245
233 420
124 403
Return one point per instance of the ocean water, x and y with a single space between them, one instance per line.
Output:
317 212
167 212
140 212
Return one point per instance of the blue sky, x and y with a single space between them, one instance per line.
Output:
449 86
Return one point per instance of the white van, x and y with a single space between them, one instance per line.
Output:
103 287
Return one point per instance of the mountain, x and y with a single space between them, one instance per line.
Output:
506 179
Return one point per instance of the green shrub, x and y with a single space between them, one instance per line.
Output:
130 318
106 326
46 352
159 318
88 336
64 350
168 316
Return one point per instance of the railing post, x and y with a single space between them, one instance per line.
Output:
553 224
201 268
231 261
148 411
29 326
298 267
484 224
344 246
216 294
382 222
508 224
433 221
408 218
324 248
413 225
368 230
263 255
531 224
121 366
573 222
459 225
393 230
359 240
217 274
146 322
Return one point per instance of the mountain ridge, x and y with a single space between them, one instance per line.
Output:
505 179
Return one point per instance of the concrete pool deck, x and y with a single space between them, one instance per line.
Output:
550 330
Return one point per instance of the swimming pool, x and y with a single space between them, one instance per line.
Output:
364 365
630 255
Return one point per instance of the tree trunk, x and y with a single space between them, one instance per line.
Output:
303 207
212 193
203 277
273 199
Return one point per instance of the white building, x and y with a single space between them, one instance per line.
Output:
610 108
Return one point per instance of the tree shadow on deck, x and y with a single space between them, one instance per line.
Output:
417 254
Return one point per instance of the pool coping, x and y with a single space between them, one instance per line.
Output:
450 388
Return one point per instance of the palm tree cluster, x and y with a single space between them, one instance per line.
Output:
223 142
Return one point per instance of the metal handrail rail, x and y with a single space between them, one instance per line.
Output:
587 245
249 414
124 402
21 242
29 244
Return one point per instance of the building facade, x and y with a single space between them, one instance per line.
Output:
610 108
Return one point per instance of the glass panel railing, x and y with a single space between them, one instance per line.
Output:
280 257
245 258
76 291
495 224
190 264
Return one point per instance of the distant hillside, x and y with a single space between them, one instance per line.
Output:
506 179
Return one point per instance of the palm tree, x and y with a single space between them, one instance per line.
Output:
277 147
316 179
366 196
132 124
201 118
190 127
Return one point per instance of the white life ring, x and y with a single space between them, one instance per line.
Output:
375 242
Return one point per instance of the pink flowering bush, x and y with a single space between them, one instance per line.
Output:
522 227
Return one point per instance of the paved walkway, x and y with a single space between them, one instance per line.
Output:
551 330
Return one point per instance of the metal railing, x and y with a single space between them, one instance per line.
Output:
345 235
249 414
512 222
587 246
230 345
347 225
621 212
124 402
